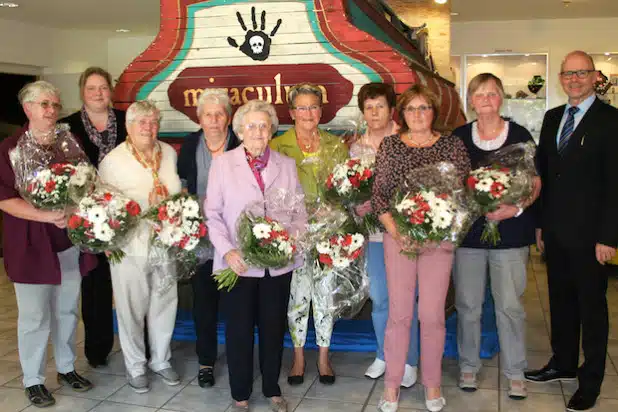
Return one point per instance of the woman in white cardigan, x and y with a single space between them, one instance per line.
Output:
144 169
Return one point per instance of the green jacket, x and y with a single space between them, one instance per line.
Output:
312 168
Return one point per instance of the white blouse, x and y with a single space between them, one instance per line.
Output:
493 144
122 171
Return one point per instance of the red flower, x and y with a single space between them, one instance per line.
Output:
87 224
418 217
74 222
353 162
367 174
133 208
355 181
334 240
442 196
329 181
107 197
60 168
50 186
496 189
162 215
356 254
471 182
184 241
30 187
114 224
326 260
347 240
203 231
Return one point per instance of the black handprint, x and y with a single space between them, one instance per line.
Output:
257 43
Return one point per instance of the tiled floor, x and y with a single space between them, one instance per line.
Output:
351 393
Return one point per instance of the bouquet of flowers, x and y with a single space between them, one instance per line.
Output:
103 221
432 209
179 235
506 178
339 251
350 183
265 242
52 176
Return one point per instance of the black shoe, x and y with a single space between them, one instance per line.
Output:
296 380
76 382
581 401
326 379
549 374
39 396
206 377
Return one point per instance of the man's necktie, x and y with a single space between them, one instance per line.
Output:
567 129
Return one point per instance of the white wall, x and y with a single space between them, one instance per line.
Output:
556 37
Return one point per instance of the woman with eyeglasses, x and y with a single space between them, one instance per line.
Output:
100 129
417 144
260 297
506 261
306 144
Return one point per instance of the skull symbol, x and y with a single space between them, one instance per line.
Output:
257 44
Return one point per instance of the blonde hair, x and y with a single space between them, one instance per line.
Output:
482 79
303 88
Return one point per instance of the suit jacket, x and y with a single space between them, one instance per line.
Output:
187 163
232 186
77 128
580 195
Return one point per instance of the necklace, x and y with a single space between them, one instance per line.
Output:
217 149
43 138
306 146
419 144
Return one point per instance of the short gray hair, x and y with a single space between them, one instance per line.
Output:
255 106
142 108
304 88
31 91
217 96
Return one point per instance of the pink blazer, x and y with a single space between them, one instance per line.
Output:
232 186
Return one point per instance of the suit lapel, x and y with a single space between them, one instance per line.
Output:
553 127
242 169
582 126
272 169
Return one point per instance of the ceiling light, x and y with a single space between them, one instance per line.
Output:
454 13
441 1
607 54
122 30
527 54
484 55
8 4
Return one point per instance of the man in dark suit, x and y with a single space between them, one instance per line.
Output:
196 154
578 164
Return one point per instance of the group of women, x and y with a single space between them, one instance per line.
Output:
230 163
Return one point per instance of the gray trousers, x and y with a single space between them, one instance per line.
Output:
507 272
46 310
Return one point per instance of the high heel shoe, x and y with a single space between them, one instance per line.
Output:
296 380
326 379
435 405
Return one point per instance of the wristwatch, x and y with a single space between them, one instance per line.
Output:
520 211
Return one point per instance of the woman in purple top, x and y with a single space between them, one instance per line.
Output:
40 260
237 178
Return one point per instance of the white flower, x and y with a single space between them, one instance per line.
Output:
191 244
484 185
323 247
103 232
341 263
82 173
443 219
261 231
97 214
190 209
345 186
277 227
358 241
173 208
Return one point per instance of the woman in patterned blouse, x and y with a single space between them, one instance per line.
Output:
416 145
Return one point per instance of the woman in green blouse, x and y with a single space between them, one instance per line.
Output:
311 148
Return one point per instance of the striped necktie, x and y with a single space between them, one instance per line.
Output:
567 129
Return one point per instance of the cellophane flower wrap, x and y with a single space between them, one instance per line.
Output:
432 208
103 221
266 233
52 176
505 177
334 247
179 237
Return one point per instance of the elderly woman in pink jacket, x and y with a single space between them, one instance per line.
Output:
237 178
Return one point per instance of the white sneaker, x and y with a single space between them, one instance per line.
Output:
376 369
409 376
169 376
386 406
434 405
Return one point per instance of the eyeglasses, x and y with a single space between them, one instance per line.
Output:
421 109
305 109
46 104
581 74
257 127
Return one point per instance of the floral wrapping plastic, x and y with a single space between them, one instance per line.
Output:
53 176
103 221
179 239
266 232
432 207
506 176
335 247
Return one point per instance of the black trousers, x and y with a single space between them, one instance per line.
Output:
262 302
205 313
97 312
578 305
